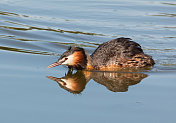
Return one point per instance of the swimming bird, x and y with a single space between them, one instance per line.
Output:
114 54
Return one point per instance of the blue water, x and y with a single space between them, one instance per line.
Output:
33 34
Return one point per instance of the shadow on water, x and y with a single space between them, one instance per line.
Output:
114 81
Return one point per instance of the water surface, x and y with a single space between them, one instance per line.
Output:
33 34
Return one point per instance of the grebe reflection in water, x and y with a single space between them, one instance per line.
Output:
113 81
73 83
114 54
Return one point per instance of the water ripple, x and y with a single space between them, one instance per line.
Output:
165 15
172 4
27 28
25 51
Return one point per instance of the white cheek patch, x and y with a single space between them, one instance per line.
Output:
68 83
69 61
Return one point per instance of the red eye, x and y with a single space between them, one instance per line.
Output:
66 58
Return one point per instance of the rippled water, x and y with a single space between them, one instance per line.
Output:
34 33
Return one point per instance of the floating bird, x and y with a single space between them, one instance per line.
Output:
111 55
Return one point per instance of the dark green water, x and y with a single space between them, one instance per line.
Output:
34 33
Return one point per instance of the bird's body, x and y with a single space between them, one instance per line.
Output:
116 53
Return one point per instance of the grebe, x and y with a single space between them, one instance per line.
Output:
114 54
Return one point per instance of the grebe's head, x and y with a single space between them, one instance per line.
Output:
74 57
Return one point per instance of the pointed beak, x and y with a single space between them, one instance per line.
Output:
54 64
53 78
